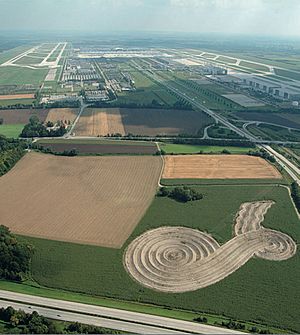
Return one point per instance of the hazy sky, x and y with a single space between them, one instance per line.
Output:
268 17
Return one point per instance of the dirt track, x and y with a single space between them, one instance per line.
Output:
218 167
88 200
178 259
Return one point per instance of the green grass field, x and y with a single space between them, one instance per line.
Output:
11 130
170 148
20 76
4 103
249 294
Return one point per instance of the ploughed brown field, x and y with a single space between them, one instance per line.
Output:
64 114
16 96
87 200
218 167
148 122
103 148
19 116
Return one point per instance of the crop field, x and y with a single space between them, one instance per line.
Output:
148 122
265 283
101 149
22 116
11 130
218 167
65 114
171 148
16 96
101 199
95 122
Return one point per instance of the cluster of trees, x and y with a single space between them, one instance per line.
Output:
48 150
35 128
240 326
15 256
263 154
19 321
295 192
201 319
181 194
11 150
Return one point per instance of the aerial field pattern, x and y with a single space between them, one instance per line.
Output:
218 167
101 199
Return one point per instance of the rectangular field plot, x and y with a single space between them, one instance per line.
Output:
16 96
243 100
65 114
147 122
218 167
86 200
101 149
22 116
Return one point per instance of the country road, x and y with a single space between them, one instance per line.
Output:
107 317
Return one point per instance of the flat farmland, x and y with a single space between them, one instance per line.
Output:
96 121
10 75
218 167
68 114
16 96
147 122
22 116
101 199
102 149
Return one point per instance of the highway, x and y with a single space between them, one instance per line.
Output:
106 317
287 165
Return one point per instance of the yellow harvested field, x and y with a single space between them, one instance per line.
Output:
94 122
87 200
16 96
64 114
218 167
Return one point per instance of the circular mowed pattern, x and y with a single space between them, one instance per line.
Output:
179 259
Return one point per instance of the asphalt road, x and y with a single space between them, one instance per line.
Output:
86 319
112 317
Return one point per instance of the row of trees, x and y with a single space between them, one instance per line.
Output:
47 150
18 321
263 154
181 194
295 192
15 256
229 143
35 128
11 150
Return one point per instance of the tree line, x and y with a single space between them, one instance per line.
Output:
18 321
11 150
15 256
